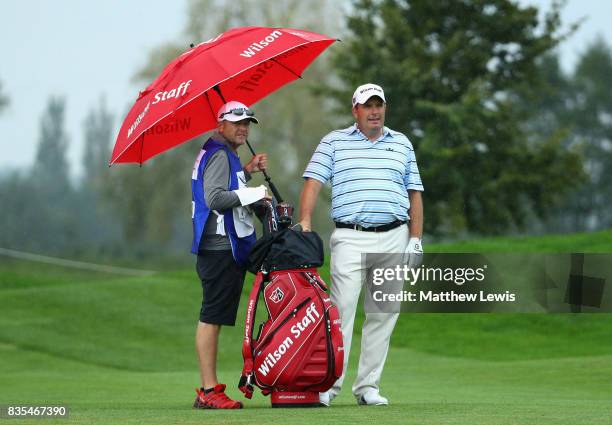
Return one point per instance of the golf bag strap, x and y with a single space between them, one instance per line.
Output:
245 384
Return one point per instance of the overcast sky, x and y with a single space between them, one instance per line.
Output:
77 49
85 49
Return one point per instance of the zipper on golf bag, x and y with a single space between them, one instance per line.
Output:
261 325
290 316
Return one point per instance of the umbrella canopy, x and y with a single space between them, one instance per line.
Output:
244 64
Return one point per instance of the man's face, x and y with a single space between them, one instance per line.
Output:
235 132
370 116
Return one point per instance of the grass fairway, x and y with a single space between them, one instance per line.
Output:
120 350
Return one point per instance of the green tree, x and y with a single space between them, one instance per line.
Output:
18 215
38 207
98 135
577 107
547 107
95 218
591 117
451 69
52 195
51 165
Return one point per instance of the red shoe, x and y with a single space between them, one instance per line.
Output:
216 399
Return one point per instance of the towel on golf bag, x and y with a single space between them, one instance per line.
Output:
299 347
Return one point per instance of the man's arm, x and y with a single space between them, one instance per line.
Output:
416 214
216 183
308 201
216 186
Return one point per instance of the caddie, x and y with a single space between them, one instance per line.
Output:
223 234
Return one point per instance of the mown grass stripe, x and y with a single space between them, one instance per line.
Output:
73 264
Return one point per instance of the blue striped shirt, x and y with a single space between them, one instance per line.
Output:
369 179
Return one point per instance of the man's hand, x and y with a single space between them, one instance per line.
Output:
413 256
305 226
258 163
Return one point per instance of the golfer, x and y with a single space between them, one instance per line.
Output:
377 208
223 235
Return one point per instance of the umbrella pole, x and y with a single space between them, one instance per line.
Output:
273 188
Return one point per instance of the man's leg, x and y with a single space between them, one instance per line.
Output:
376 334
222 281
378 327
346 274
206 341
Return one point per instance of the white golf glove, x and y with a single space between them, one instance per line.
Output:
413 255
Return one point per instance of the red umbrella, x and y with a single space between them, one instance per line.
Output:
243 64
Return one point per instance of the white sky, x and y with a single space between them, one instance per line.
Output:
83 49
77 49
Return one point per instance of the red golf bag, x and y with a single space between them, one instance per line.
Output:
298 351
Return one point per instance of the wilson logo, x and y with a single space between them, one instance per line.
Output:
310 318
138 120
169 127
262 44
276 296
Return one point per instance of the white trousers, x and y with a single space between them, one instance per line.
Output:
348 273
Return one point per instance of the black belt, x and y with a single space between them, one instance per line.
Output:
383 228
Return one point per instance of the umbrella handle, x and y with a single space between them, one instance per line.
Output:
273 188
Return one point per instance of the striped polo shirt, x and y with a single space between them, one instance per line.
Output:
369 180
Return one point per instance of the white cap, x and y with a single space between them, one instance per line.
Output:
366 91
235 111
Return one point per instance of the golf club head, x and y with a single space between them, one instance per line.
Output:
284 214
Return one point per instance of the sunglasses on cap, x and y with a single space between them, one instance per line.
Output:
238 112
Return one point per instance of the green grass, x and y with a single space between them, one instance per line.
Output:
120 350
578 242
